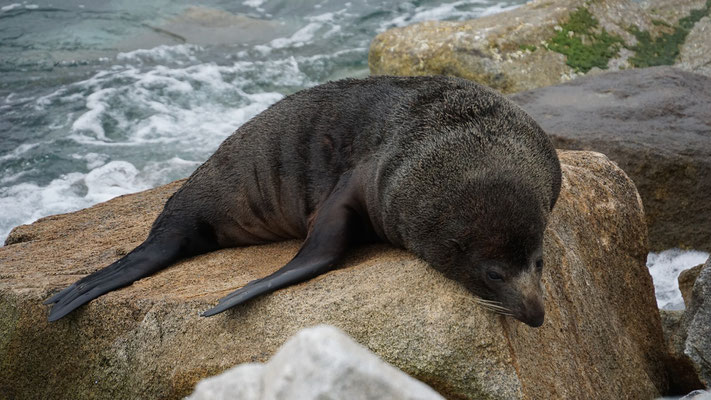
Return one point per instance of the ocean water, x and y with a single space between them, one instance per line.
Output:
100 99
665 268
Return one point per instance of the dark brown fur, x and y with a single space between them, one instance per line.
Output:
441 166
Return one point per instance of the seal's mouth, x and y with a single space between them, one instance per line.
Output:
534 319
532 314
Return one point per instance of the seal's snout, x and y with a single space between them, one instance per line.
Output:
534 316
527 296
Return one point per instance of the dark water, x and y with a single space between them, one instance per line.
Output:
101 98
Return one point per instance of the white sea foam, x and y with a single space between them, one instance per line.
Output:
155 172
298 38
179 54
26 202
93 160
177 104
326 25
253 3
497 8
18 5
171 118
665 268
7 179
458 10
10 7
262 49
89 121
19 150
111 180
325 17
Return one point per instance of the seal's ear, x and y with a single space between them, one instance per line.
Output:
335 227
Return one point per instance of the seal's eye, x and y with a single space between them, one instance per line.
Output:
494 276
539 265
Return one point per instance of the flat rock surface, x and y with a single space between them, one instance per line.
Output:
602 337
655 123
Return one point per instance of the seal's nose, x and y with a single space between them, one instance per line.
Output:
534 314
535 320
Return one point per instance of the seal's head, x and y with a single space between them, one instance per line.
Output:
471 195
488 237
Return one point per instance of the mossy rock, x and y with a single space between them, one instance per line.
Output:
664 49
583 43
541 43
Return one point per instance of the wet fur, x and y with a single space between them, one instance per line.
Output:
425 163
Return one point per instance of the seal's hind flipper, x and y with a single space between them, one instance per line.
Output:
335 227
144 260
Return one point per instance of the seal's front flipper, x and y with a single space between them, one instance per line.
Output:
337 224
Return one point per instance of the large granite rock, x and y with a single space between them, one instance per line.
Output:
697 325
695 54
602 337
318 363
683 377
544 42
695 51
655 123
687 279
688 332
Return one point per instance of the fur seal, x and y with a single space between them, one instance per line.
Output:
443 167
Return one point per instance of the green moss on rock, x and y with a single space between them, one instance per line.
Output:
664 49
581 43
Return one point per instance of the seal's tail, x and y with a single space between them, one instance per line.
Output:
152 255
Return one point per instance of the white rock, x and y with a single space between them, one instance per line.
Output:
242 382
317 363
